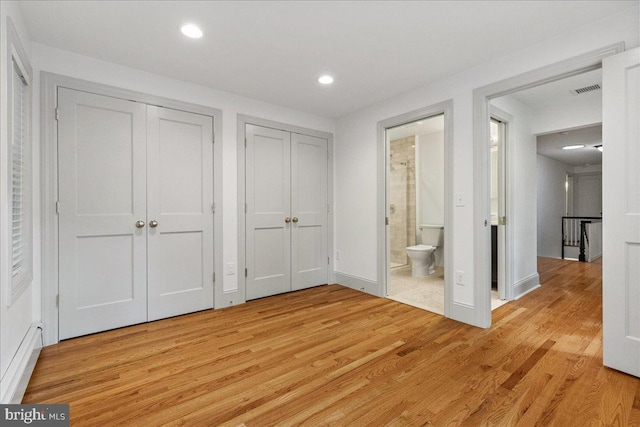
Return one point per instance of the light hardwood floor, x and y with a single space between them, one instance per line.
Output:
334 356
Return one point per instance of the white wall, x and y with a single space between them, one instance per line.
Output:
82 67
521 152
430 185
576 113
356 156
430 177
551 205
16 319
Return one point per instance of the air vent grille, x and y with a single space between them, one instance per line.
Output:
586 89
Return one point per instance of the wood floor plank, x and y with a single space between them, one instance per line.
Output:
334 356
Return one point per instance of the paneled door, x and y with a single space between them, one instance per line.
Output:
135 212
102 196
286 211
268 211
309 210
621 211
180 212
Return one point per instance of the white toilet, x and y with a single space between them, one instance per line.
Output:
422 256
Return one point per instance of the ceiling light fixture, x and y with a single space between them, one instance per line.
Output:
326 79
191 31
573 147
598 147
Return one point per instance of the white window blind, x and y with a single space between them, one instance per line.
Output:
18 171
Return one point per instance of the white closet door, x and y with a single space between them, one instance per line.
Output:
180 214
102 254
621 216
268 186
309 260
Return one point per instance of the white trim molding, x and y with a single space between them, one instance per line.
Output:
357 283
49 83
526 285
16 379
481 165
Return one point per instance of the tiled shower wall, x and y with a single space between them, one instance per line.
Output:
402 198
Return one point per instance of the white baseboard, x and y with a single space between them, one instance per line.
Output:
462 312
16 379
357 283
526 285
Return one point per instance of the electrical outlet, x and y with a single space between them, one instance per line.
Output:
460 277
337 255
231 268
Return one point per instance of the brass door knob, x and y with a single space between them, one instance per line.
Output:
140 224
153 223
287 220
295 219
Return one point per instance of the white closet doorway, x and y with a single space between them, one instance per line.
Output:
286 211
135 212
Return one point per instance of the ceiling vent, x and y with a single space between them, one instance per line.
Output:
586 89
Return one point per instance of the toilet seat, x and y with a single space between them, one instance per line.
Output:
421 248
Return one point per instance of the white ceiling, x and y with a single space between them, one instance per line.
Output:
551 146
275 51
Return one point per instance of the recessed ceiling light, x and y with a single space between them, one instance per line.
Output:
598 147
191 30
573 147
326 79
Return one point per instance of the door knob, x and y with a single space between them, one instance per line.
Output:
139 224
295 219
153 223
287 220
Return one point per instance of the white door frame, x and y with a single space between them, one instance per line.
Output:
49 181
505 244
243 121
384 272
482 167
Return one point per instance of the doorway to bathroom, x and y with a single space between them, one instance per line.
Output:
416 213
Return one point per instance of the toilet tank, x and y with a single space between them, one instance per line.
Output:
432 234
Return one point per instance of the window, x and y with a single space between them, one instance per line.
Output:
19 168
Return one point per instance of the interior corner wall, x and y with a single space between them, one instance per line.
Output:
16 319
82 67
356 159
551 205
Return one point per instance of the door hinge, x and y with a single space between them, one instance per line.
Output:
214 277
245 142
502 220
386 220
57 114
328 208
246 272
213 208
57 300
58 207
328 262
245 208
213 138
